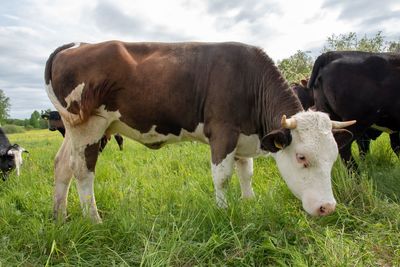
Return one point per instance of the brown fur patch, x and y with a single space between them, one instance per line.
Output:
91 154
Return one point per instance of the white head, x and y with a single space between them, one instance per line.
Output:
305 152
16 152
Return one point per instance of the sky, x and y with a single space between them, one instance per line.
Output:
31 29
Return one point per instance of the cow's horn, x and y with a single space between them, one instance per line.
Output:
288 123
342 124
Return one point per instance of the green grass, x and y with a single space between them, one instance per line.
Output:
158 209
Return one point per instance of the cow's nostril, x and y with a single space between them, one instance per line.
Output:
326 209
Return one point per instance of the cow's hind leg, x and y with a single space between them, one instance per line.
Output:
244 169
62 180
86 140
223 146
83 162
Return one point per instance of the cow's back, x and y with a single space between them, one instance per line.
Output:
364 86
174 86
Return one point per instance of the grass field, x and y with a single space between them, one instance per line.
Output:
158 209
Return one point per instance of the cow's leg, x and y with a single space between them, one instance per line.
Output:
83 162
345 154
363 145
223 143
85 143
62 180
120 141
244 169
395 143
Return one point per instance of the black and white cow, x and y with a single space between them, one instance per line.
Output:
10 156
228 95
56 124
360 85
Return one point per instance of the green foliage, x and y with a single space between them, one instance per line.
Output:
158 210
296 67
394 47
4 106
19 122
34 120
351 41
299 66
9 129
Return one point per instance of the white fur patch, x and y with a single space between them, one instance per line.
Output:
93 130
154 137
17 153
75 95
244 168
221 174
249 146
68 117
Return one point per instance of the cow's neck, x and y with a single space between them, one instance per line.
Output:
274 99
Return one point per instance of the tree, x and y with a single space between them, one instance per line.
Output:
299 65
351 41
296 67
34 121
43 124
4 106
394 47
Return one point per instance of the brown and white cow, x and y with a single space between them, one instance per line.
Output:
228 95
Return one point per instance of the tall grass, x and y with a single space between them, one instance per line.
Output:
158 210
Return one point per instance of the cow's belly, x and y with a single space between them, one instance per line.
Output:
247 146
153 139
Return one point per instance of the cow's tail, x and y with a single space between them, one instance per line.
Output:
49 63
70 117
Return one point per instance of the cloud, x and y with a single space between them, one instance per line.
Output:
249 10
365 13
111 19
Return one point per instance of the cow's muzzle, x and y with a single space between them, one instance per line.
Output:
326 209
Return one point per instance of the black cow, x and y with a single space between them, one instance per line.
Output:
10 156
56 124
360 85
307 100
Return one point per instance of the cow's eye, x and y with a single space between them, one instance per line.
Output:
301 159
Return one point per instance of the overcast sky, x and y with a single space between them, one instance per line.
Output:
31 29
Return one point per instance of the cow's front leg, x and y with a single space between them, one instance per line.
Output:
347 157
83 162
223 147
244 169
62 180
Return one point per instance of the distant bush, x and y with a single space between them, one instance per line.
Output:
9 128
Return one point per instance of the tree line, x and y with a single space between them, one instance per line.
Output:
299 65
294 69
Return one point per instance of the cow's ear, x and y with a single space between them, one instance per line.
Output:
45 116
304 82
276 140
342 137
